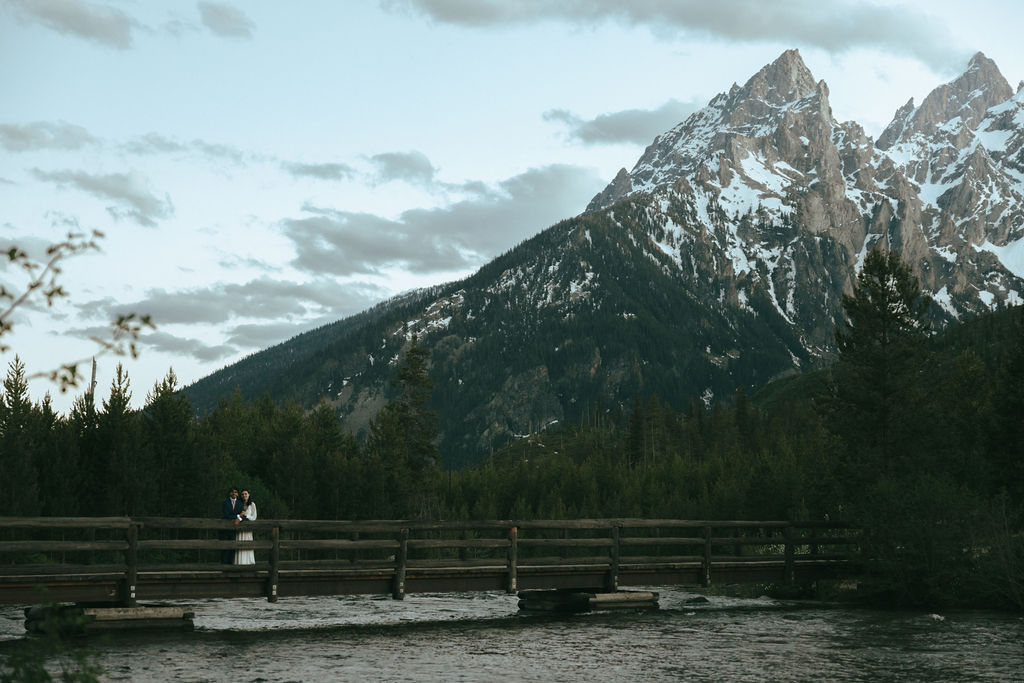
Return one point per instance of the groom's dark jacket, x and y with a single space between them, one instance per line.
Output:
230 508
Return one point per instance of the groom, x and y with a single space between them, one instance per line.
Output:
229 509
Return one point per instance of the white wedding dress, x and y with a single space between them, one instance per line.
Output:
246 556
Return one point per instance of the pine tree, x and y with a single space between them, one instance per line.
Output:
332 453
84 427
182 485
403 438
60 481
292 471
19 488
126 475
874 384
1006 434
418 422
886 312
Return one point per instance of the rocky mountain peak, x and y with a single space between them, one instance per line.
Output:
619 187
780 100
784 80
967 97
894 131
942 180
983 81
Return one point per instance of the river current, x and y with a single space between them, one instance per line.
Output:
483 637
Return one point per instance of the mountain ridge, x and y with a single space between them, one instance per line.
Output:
718 262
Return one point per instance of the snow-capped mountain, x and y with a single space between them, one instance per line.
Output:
718 262
944 185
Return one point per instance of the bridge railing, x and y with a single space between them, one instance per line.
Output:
132 546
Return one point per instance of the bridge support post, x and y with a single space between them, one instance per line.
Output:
131 574
513 560
275 562
401 557
705 570
611 583
790 572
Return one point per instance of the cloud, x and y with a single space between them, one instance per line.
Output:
269 311
161 341
225 20
154 143
347 243
218 151
836 27
241 338
129 192
412 167
261 299
462 235
261 336
44 135
102 24
186 346
321 171
638 126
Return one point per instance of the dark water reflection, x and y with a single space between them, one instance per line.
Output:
482 637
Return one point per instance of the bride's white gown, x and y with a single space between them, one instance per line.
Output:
246 556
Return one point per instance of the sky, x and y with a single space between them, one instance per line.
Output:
260 168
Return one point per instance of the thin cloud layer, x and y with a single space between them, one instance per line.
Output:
836 27
259 299
44 135
163 342
225 20
634 126
261 336
94 22
154 143
270 312
325 171
131 197
61 135
111 27
412 167
187 346
462 235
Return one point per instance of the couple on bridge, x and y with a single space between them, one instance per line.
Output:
241 509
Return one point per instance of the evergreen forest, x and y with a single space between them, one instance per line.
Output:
915 437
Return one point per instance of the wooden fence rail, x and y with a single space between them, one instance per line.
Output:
122 560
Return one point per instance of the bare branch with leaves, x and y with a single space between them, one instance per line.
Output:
124 331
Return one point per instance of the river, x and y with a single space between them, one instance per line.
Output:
483 637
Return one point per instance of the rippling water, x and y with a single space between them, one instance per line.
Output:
482 637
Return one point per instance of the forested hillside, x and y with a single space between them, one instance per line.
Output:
588 310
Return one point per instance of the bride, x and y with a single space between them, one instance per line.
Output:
248 513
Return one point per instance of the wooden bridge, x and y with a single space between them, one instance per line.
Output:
121 560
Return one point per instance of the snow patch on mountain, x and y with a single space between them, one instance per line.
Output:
1010 255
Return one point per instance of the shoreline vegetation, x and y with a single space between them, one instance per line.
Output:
914 437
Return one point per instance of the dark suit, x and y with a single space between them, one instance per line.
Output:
229 509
